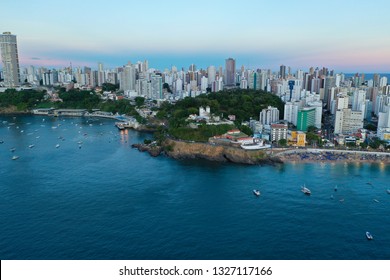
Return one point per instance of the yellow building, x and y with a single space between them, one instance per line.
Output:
301 139
298 138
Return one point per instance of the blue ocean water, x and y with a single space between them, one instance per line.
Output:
94 197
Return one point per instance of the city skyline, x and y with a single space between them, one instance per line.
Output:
347 36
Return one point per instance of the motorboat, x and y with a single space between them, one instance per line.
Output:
305 190
58 145
256 192
369 235
15 157
31 146
388 191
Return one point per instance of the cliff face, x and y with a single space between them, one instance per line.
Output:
183 150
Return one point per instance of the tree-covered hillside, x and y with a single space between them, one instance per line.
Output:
244 104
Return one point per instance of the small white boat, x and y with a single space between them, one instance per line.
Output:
256 192
31 146
15 157
305 190
12 150
369 235
388 191
376 200
58 145
335 188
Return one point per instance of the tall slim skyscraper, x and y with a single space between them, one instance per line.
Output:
282 71
9 56
230 68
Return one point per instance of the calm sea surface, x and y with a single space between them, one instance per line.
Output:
94 197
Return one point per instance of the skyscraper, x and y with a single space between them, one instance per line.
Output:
282 71
230 68
9 56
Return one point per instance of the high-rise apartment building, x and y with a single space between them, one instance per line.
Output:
306 118
9 56
269 115
230 72
348 121
128 78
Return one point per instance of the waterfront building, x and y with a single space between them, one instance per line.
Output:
278 132
10 59
298 138
269 115
306 118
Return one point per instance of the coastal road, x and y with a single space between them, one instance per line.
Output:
311 150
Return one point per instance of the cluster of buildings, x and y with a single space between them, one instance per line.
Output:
350 101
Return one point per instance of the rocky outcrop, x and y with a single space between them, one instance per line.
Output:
12 110
184 150
153 150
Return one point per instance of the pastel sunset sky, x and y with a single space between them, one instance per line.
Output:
344 35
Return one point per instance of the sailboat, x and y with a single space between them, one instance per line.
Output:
305 190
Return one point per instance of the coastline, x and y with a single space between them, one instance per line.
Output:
178 149
187 150
309 155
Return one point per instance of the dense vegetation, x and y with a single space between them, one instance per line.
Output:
22 100
244 104
76 99
200 134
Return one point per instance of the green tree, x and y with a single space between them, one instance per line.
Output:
139 101
283 142
109 87
370 127
166 86
245 129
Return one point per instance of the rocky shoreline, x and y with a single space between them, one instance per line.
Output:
186 150
12 110
192 150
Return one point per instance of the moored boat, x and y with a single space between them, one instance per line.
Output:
305 190
15 157
369 235
256 192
